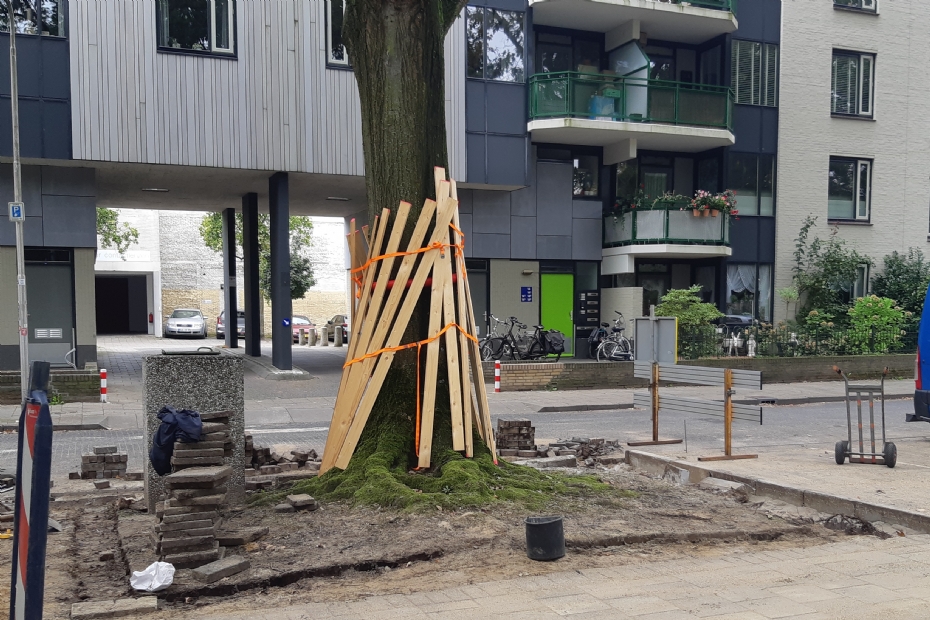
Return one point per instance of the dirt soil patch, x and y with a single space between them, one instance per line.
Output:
341 552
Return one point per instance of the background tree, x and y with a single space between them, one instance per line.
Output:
302 278
696 335
824 272
905 279
114 234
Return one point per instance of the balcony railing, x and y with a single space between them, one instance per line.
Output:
596 96
666 223
720 5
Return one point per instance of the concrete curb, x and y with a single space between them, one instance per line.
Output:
823 502
59 427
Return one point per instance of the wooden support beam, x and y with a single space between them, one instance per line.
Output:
399 326
430 380
444 268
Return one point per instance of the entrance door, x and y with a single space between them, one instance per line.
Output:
556 304
51 312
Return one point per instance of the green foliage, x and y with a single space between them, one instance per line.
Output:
877 325
905 279
686 305
789 295
301 233
112 233
824 271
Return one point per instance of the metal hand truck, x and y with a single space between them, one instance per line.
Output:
889 454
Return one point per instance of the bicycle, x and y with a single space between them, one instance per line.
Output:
615 347
491 346
522 346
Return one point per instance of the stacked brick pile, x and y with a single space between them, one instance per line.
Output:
104 462
295 462
186 532
215 443
515 438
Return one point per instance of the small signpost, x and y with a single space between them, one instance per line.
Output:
656 341
526 294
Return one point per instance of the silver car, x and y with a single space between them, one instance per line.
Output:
186 322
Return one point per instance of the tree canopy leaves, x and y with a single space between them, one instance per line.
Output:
114 234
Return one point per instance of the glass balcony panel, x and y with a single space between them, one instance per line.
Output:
650 224
618 229
683 225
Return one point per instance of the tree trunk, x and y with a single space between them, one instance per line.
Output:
396 51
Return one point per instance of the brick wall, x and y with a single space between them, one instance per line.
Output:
522 376
72 386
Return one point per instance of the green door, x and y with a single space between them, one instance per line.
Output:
556 294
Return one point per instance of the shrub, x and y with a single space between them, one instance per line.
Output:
876 325
696 335
905 279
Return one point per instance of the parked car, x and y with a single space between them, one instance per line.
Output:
339 320
221 324
186 322
299 322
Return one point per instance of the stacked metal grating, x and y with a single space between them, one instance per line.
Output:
186 532
516 438
215 443
104 462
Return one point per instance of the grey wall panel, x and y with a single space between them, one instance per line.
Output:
744 236
32 232
491 212
554 198
60 181
507 280
487 245
522 237
587 209
28 65
747 127
507 160
32 188
465 225
55 69
70 221
554 247
30 128
769 140
766 239
56 129
586 239
476 157
475 119
465 200
9 308
455 97
85 325
523 201
506 108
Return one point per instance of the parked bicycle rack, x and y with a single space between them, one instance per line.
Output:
843 449
728 378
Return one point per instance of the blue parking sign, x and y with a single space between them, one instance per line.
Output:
526 293
16 212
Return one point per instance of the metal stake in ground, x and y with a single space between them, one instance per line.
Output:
33 475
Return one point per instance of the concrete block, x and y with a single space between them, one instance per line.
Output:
193 524
269 470
676 475
214 427
115 609
188 534
302 501
214 436
200 445
214 571
205 500
194 558
718 485
288 466
284 508
213 416
190 542
197 461
237 538
189 516
105 450
213 474
189 493
203 453
184 510
256 485
102 484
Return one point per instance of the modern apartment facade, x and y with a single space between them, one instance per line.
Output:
561 115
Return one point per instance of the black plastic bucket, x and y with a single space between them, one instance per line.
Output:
545 539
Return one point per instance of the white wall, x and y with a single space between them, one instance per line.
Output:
898 139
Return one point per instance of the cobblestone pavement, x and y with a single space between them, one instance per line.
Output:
861 577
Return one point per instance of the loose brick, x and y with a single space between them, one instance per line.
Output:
190 543
206 500
203 474
199 445
211 416
284 508
204 453
214 571
102 484
189 534
105 450
190 493
210 428
198 524
189 516
197 461
193 559
115 609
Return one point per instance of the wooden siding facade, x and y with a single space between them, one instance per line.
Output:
275 106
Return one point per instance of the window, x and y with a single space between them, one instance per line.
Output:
35 16
861 285
753 178
336 49
206 26
754 73
495 49
852 83
867 6
749 290
585 180
850 189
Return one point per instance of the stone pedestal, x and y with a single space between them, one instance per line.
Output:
203 383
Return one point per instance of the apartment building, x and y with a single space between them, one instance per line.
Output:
562 115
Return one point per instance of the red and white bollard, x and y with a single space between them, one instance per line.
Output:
103 385
497 376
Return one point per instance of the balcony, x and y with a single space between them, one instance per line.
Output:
693 22
597 109
666 230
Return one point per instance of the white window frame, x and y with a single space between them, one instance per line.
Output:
867 164
860 287
232 28
344 62
865 106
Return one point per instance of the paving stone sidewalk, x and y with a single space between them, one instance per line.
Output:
861 577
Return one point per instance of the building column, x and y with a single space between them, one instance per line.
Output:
280 267
229 279
253 298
